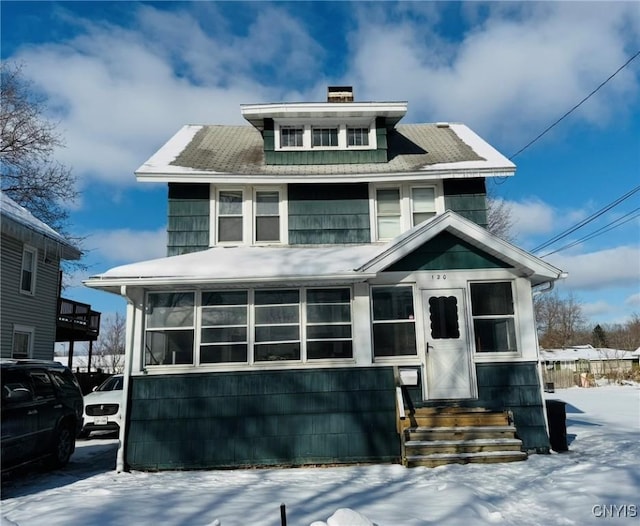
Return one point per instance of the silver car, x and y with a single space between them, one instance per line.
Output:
103 407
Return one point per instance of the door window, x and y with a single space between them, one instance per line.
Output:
443 315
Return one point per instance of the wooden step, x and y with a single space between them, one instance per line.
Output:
459 433
485 457
455 420
428 447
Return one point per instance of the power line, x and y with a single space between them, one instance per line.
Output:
587 220
602 230
576 106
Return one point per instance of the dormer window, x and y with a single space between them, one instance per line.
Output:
325 137
357 136
291 136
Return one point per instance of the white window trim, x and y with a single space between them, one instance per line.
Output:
307 134
406 210
491 356
251 326
248 214
23 329
34 271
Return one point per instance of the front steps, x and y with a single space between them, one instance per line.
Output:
434 436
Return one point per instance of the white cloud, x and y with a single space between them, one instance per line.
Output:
127 246
532 217
634 299
615 267
596 309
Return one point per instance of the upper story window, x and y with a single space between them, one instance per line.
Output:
291 136
28 271
248 215
397 208
493 317
327 137
357 136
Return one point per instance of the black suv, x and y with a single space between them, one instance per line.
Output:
41 412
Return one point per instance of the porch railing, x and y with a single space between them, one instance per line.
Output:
77 316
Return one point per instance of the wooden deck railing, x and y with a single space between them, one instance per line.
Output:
78 317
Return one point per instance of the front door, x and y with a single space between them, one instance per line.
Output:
448 363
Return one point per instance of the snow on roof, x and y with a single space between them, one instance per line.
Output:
12 211
231 264
584 352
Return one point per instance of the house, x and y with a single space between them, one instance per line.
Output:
589 359
329 282
34 316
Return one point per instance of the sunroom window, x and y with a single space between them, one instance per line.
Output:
224 327
277 325
493 317
394 331
169 328
329 324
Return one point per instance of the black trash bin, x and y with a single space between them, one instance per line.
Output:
557 417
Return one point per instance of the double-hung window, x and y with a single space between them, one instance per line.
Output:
22 346
169 328
357 136
267 216
325 137
423 204
230 211
329 323
388 212
291 136
394 327
28 271
493 317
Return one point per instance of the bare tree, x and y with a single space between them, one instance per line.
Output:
499 219
108 351
558 319
28 140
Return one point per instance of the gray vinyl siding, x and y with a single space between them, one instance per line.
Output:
328 214
38 311
188 218
467 197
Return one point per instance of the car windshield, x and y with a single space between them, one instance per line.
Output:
111 384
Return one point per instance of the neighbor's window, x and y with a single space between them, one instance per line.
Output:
325 136
388 212
357 136
493 317
291 136
394 331
169 328
22 342
423 204
267 220
28 273
224 330
277 325
329 323
230 215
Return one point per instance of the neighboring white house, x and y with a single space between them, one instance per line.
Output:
589 359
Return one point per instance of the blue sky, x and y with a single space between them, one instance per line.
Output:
122 77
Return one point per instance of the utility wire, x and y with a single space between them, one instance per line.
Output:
576 106
602 230
586 221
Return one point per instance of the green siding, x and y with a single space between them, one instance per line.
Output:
262 418
446 252
328 214
325 157
188 218
467 197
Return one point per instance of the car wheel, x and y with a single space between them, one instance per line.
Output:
63 446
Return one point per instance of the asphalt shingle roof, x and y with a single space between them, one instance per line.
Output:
239 150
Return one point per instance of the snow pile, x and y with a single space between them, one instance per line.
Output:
345 517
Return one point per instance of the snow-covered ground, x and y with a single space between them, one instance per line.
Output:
599 477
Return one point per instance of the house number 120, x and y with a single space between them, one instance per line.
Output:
438 276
